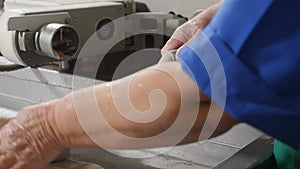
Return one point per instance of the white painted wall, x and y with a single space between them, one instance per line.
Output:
186 7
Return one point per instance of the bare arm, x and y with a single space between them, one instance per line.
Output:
139 89
39 133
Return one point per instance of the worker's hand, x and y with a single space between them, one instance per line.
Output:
187 31
28 141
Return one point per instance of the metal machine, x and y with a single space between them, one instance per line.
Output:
39 32
50 34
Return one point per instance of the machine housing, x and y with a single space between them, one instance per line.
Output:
40 32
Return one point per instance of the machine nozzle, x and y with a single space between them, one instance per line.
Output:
58 41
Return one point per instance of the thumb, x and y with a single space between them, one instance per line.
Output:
179 50
172 44
187 43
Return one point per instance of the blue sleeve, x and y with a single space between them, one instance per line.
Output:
219 61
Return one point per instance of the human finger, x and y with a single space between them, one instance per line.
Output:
22 165
7 160
168 56
181 35
172 44
186 44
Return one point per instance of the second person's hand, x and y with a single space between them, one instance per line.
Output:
187 31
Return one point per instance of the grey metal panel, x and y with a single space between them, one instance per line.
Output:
33 22
14 103
202 153
49 77
33 92
31 86
110 161
163 162
239 136
251 154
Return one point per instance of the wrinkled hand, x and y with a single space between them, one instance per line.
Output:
187 31
27 141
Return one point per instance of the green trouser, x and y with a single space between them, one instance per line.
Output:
286 157
283 157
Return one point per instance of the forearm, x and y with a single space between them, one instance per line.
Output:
139 89
109 109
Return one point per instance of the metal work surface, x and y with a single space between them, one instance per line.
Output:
251 154
29 86
201 155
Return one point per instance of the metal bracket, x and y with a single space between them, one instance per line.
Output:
33 22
